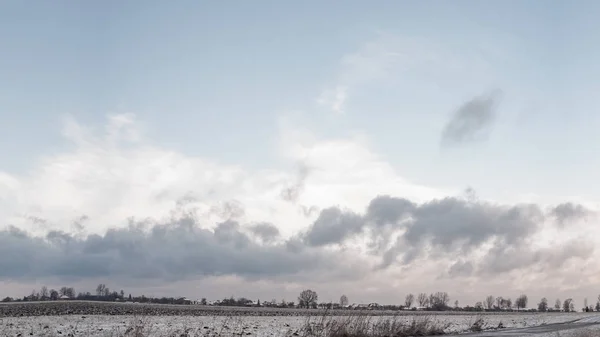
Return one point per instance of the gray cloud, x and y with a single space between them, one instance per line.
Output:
461 268
569 211
441 228
504 258
169 251
397 230
265 231
471 121
333 226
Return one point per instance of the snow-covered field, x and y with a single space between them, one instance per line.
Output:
101 325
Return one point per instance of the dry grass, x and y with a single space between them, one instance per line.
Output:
368 326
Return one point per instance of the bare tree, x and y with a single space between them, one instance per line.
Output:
100 289
307 299
63 291
567 304
509 303
423 300
543 305
106 292
557 304
408 301
34 296
499 301
489 302
521 302
456 304
344 300
53 295
585 303
439 300
44 293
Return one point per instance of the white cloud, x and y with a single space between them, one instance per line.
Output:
388 56
113 174
334 99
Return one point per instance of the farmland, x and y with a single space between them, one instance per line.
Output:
79 318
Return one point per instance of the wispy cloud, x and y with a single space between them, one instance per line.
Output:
334 99
471 121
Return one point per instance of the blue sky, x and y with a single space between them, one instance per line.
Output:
196 72
231 98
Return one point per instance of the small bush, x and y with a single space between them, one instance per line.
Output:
477 326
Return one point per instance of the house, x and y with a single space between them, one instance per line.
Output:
372 306
64 297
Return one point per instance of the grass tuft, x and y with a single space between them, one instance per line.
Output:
368 326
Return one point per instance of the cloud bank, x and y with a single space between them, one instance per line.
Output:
116 209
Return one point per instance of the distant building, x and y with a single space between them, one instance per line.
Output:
64 297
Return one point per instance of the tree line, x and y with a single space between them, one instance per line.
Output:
438 301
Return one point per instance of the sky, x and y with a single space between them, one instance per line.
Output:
373 149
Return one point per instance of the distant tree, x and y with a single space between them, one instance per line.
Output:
456 304
543 305
585 303
122 294
307 299
567 304
203 301
130 298
53 295
598 306
106 292
44 293
499 301
521 302
344 300
408 301
557 304
34 296
489 302
479 306
100 290
423 300
509 303
439 301
7 299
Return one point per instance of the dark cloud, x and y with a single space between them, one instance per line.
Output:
265 231
397 232
568 212
292 193
169 251
333 226
471 121
438 229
